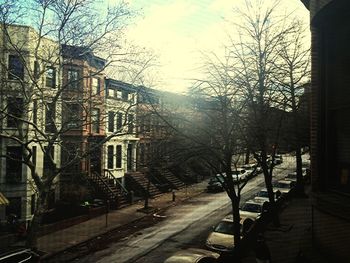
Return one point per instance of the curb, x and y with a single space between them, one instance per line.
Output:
89 239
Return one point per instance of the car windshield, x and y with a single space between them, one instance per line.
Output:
216 180
224 227
281 185
263 194
249 207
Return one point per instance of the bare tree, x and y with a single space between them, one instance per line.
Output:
254 51
292 78
206 127
52 87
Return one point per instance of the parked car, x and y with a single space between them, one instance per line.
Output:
252 168
284 186
24 255
278 159
252 209
239 174
221 238
263 195
215 183
193 255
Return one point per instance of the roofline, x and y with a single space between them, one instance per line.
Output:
306 3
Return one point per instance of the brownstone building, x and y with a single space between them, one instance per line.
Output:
330 126
82 114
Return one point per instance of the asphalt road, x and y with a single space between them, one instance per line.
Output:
186 225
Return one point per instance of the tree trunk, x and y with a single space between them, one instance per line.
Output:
300 191
268 183
147 194
32 233
236 229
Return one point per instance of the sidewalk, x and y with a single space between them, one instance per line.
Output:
60 240
292 237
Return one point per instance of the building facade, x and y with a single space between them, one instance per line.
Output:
29 109
330 127
120 150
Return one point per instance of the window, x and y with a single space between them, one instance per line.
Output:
130 123
118 161
35 112
70 154
142 153
129 157
34 155
73 79
36 70
110 157
119 121
15 68
131 97
14 111
95 86
72 116
125 96
13 164
95 120
50 77
15 207
111 92
111 116
50 117
48 155
118 94
147 123
32 204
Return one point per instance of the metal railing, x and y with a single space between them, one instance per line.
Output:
109 175
103 185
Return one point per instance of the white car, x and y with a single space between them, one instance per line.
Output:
221 238
193 255
239 174
252 209
263 195
252 168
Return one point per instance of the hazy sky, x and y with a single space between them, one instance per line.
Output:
179 30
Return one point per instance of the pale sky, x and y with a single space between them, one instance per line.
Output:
179 30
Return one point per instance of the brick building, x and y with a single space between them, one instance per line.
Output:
330 126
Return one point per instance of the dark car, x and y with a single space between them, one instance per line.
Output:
19 255
215 184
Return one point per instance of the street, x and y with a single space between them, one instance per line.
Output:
186 225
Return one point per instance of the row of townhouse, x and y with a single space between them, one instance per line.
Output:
59 112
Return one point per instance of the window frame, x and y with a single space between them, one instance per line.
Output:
73 83
15 71
50 81
16 106
95 120
110 157
95 89
111 117
118 156
13 165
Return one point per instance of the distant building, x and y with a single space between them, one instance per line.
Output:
121 149
330 127
83 117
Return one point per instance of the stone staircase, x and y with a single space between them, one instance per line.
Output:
138 182
174 181
108 186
